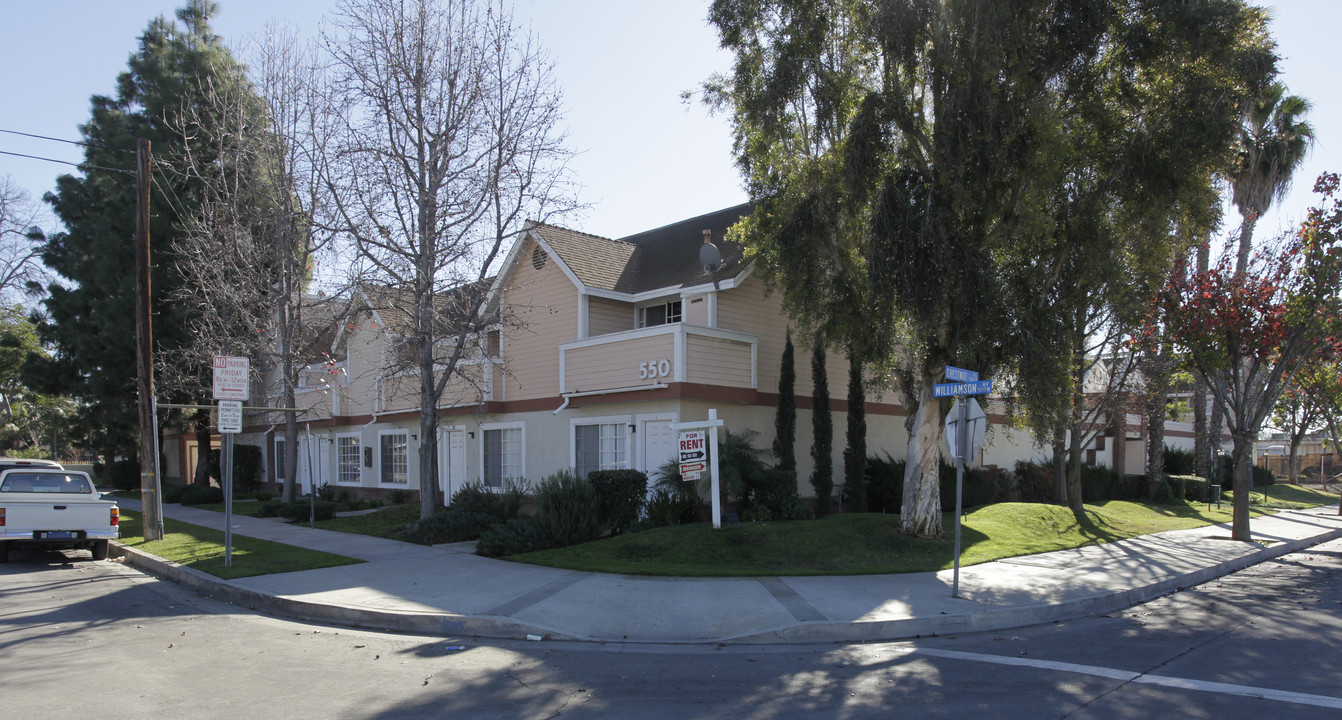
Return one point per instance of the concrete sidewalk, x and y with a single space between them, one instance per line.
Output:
448 591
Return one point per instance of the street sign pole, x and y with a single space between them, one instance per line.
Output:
226 458
963 449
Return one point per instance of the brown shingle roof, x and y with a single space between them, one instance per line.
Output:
667 257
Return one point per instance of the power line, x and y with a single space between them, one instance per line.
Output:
72 142
67 162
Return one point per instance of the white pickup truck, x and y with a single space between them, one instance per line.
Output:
54 508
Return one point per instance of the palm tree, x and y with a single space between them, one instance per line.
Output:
1273 142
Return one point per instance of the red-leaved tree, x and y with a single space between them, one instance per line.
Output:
1248 332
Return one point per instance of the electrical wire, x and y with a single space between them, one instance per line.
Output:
67 162
72 142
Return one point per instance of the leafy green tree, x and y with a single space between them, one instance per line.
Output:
822 431
90 318
785 416
29 419
945 175
1273 142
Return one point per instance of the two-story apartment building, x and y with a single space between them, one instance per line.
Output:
600 346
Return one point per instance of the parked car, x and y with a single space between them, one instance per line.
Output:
55 508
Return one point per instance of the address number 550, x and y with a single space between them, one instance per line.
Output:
655 369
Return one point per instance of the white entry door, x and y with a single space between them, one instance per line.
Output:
318 454
451 462
657 444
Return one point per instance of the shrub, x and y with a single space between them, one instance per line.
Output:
1178 461
772 488
246 467
740 466
621 493
1262 477
172 493
1100 483
398 497
885 484
301 510
504 504
262 495
269 509
201 495
453 525
1035 480
1188 487
125 474
568 509
516 536
671 505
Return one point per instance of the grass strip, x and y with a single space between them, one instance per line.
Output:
861 544
387 522
202 549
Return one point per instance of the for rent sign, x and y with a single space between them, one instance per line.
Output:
693 446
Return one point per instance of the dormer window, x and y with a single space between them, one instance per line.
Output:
659 314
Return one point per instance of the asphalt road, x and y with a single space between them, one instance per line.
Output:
83 639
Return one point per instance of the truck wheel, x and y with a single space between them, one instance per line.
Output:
4 552
100 550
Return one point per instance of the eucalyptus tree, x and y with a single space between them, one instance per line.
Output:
947 173
451 141
1273 142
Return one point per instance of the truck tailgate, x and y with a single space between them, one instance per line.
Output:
57 519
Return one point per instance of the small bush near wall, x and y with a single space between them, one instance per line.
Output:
670 506
1178 461
885 484
125 474
568 509
201 495
453 525
302 510
621 493
172 493
1035 479
504 504
516 536
1187 487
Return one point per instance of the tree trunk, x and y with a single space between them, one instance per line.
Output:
1060 465
1293 461
1155 440
1074 499
202 476
1242 456
920 515
1202 440
1245 243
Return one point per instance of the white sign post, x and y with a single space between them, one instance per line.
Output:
232 378
709 427
963 432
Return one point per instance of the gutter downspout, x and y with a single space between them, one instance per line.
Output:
587 393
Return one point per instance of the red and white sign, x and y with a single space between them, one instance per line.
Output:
232 378
693 447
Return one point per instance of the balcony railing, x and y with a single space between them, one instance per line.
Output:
674 353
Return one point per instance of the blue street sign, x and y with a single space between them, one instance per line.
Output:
955 374
978 387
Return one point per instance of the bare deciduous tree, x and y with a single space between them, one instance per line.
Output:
451 142
20 253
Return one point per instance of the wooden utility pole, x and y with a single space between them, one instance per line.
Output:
150 500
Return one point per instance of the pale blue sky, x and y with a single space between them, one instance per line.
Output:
647 160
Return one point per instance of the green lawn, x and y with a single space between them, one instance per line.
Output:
858 544
385 522
203 549
240 507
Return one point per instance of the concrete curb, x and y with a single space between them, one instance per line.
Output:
419 623
803 632
1021 616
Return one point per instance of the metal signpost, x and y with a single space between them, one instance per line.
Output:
232 385
964 436
690 448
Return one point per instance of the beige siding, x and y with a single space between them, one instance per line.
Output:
714 361
542 308
616 364
608 316
363 366
402 391
694 310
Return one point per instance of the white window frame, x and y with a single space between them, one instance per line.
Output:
276 455
358 459
380 479
624 421
641 319
522 452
